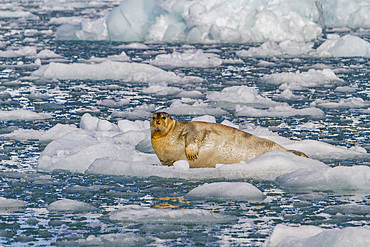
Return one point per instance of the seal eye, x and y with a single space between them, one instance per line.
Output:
163 118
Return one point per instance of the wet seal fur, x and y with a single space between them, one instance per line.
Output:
205 144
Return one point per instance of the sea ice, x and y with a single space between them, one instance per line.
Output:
22 51
70 206
299 80
241 95
316 236
235 191
9 204
339 178
283 110
188 58
114 239
101 147
353 102
130 72
145 215
22 115
198 107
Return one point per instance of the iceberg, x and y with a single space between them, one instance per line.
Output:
219 20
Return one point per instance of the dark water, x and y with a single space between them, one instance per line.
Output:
67 100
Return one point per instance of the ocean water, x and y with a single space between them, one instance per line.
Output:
242 223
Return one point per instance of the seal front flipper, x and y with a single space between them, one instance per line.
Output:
191 146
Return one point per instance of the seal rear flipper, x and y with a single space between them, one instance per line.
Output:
298 153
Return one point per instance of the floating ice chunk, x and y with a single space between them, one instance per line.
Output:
197 108
10 204
349 209
16 14
354 102
161 89
114 239
130 72
44 136
122 57
134 46
316 236
278 111
23 115
22 51
299 80
70 206
346 46
47 54
140 112
236 191
240 94
146 215
339 178
205 118
272 49
189 58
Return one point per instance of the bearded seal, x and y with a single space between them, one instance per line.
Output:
205 144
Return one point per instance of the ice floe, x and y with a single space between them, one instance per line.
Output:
338 179
10 204
241 95
70 206
283 110
140 214
188 58
317 236
334 46
130 72
101 147
298 80
236 191
22 114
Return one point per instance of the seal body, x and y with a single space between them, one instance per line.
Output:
205 144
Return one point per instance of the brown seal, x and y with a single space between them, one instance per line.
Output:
205 144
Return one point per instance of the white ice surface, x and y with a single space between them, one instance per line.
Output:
298 80
70 206
130 72
334 46
284 110
340 178
6 203
22 115
139 214
235 191
307 236
188 58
